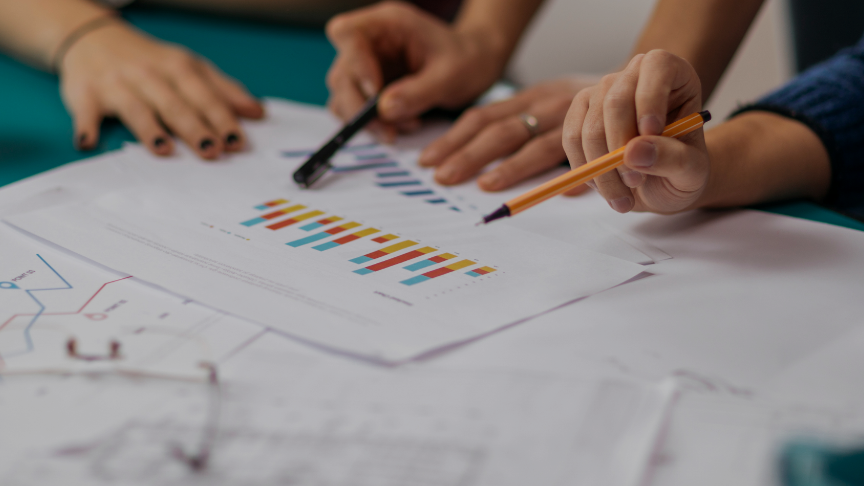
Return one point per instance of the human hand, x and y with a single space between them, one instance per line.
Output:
427 62
660 174
152 87
487 133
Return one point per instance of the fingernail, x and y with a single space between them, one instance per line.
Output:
231 139
643 155
368 88
79 141
393 108
490 181
622 204
159 142
632 178
650 125
206 144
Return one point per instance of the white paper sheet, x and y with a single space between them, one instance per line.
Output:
200 235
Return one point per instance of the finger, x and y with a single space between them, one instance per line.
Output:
499 139
539 155
359 64
665 83
619 116
467 127
414 94
677 160
243 103
346 99
178 115
199 94
86 117
578 190
140 118
594 142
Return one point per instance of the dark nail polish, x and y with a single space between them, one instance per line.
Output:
159 142
79 142
231 139
206 144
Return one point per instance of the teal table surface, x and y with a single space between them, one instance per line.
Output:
270 59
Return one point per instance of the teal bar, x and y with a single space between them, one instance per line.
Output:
262 207
415 280
309 239
417 266
253 222
363 271
436 201
394 174
424 192
326 246
472 274
311 226
398 184
362 259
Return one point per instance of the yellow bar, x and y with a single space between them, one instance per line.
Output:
333 219
446 256
462 264
310 214
427 249
488 269
348 226
289 209
398 246
366 232
388 237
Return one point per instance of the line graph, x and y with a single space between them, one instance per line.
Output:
42 309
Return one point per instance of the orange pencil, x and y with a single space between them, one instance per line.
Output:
581 175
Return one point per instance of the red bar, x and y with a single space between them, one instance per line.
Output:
438 259
376 254
281 224
274 214
480 271
333 231
395 261
346 239
438 272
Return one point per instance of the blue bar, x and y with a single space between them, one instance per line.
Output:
436 201
424 192
352 168
309 239
415 280
363 146
362 259
398 184
253 222
326 246
370 156
311 226
363 271
296 153
472 274
392 174
454 208
417 266
262 207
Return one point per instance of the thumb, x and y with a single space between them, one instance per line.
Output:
683 162
413 94
86 118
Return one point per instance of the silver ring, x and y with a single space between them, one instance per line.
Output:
531 124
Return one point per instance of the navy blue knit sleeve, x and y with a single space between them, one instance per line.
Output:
829 98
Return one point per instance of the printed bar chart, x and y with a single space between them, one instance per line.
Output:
430 261
399 184
352 168
384 251
396 260
295 219
346 239
421 192
385 238
320 223
322 235
271 204
438 272
274 214
398 173
370 156
480 271
436 201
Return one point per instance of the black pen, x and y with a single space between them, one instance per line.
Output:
319 163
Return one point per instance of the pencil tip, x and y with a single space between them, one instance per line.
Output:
481 222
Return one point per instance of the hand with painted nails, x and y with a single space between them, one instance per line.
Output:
632 107
423 61
485 134
155 89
